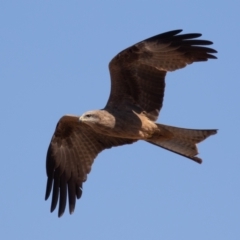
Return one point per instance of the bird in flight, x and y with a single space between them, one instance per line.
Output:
136 98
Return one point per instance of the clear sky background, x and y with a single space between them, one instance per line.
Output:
54 59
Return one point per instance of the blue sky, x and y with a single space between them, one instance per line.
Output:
54 59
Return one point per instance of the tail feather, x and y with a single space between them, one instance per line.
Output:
183 141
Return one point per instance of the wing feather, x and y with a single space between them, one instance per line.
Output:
138 72
70 155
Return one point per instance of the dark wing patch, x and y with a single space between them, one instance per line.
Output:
71 152
138 72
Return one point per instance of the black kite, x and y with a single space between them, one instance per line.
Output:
137 90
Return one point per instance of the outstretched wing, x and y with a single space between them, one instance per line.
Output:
138 72
70 155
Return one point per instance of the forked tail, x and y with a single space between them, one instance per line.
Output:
183 141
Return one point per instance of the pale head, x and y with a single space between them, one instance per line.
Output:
90 117
98 119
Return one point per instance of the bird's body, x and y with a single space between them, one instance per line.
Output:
137 91
120 123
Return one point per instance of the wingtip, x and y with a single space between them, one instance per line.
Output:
47 194
71 211
52 209
171 33
53 206
176 31
214 131
60 214
61 209
48 188
197 160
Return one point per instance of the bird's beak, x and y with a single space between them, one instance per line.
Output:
80 119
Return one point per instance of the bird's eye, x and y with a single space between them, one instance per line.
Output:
88 115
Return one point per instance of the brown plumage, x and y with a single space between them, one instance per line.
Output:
137 91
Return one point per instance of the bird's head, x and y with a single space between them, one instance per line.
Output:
91 117
98 119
